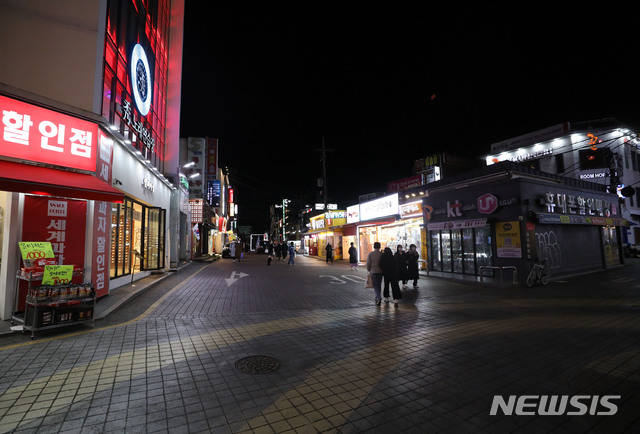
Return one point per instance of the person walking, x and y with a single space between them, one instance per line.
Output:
329 250
232 249
238 251
373 267
292 253
353 258
390 274
401 263
278 249
269 253
412 265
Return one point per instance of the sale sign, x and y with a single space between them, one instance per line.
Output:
29 132
57 274
32 250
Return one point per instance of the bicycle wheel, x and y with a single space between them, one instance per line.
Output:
531 278
545 276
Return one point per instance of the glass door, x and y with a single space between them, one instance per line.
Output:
483 246
436 255
446 250
456 250
468 251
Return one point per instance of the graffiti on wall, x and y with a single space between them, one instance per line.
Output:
549 249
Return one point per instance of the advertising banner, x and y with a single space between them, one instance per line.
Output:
33 133
508 240
101 252
61 222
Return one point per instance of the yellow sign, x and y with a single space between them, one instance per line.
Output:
508 240
57 274
32 250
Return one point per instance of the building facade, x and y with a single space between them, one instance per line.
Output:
508 216
90 102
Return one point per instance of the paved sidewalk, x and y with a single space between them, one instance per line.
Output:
249 348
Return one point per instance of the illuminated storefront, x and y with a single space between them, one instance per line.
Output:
55 176
326 229
517 215
376 224
87 140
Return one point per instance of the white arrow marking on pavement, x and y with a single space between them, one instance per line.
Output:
231 280
334 279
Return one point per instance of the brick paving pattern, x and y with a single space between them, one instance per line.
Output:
431 364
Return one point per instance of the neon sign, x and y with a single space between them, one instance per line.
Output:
140 79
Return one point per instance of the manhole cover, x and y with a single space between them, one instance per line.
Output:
257 364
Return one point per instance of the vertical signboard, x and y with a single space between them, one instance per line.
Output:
101 254
196 171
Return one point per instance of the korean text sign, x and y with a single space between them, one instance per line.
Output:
31 250
57 274
33 133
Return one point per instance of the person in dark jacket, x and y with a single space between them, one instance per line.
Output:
401 263
353 258
412 265
329 250
390 274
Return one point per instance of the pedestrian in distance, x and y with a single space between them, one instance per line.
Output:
238 251
329 250
232 249
270 248
412 265
353 258
390 273
374 268
292 253
284 249
278 248
401 262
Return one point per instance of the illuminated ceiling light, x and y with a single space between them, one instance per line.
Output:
194 175
113 128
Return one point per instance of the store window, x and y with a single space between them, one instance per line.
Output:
367 236
137 237
460 251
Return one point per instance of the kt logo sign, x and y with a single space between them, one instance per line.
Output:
487 203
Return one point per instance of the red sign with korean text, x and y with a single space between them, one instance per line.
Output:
29 132
101 252
61 222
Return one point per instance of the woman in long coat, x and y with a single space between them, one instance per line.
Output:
390 273
412 265
401 263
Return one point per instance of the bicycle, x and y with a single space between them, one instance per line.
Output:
539 271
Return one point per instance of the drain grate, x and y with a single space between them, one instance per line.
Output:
257 364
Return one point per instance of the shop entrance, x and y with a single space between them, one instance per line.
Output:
460 251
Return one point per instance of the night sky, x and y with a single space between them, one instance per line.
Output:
387 86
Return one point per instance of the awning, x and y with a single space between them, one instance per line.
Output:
24 178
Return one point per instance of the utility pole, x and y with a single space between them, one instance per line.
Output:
324 173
